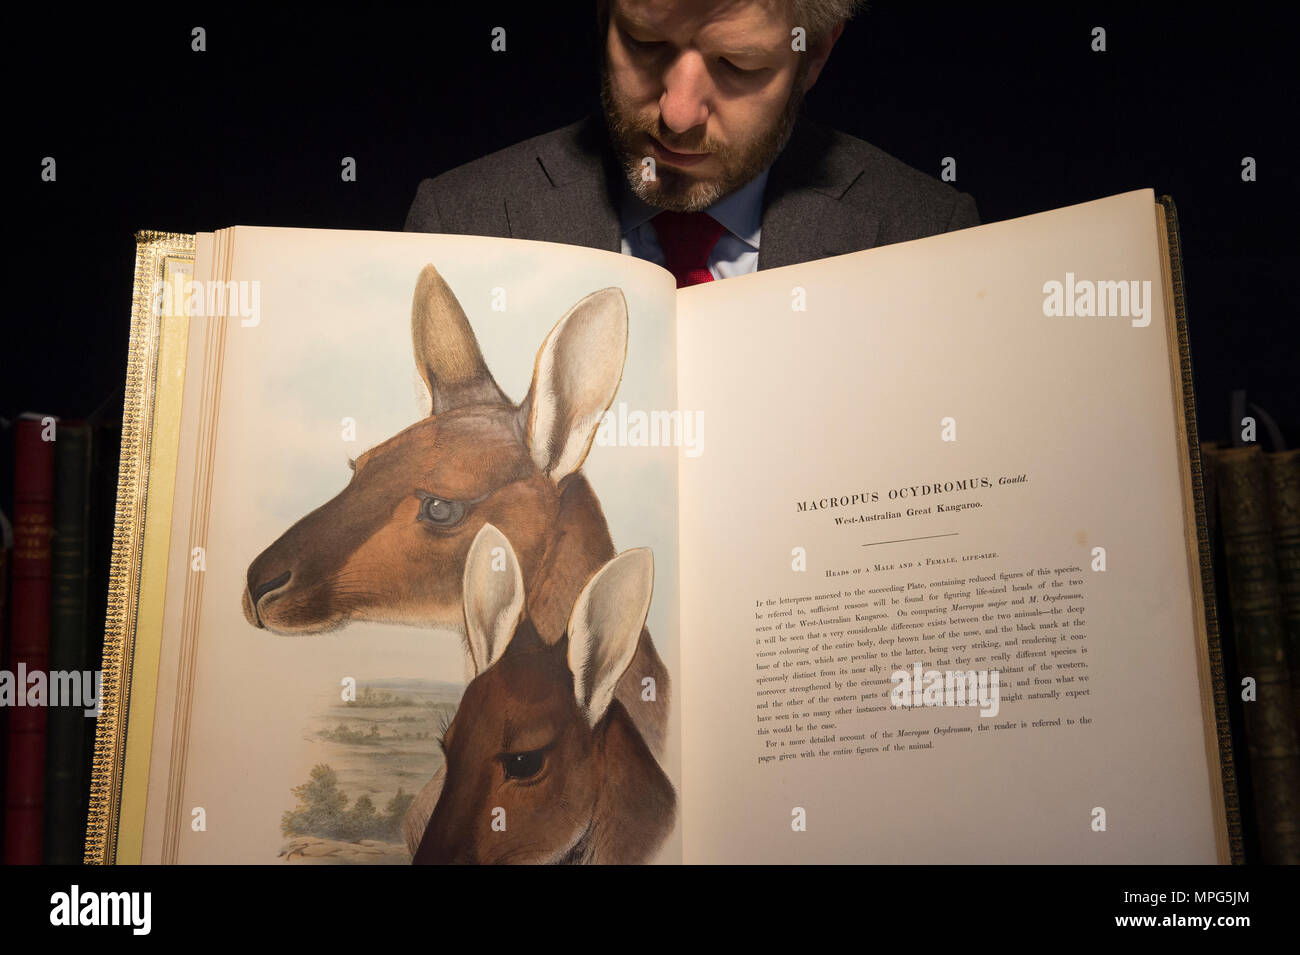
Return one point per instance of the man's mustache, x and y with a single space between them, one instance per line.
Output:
704 145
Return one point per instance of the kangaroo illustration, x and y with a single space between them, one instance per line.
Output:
543 764
391 546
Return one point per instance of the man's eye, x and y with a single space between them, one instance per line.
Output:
439 511
641 45
524 765
738 70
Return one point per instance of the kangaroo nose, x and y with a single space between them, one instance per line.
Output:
275 584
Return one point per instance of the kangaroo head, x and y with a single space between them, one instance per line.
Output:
391 545
538 735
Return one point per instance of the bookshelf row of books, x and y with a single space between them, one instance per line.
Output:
53 594
1253 505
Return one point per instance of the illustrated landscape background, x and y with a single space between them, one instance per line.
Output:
371 757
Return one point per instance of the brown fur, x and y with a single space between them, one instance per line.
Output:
600 798
364 555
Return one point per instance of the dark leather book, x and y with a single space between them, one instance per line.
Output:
29 636
69 566
1271 738
1249 830
1283 469
6 568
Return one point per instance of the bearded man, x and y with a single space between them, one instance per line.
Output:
700 161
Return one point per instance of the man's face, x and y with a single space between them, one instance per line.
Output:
709 90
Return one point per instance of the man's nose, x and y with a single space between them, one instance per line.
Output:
684 103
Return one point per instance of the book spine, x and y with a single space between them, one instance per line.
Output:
1209 458
30 638
1228 647
1271 740
65 731
1283 468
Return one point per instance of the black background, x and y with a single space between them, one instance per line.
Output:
780 909
148 134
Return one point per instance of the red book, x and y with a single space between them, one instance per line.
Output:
29 648
6 563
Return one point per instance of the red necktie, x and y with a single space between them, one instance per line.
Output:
687 238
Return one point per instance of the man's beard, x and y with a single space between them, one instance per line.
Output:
679 191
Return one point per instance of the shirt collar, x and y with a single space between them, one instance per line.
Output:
739 212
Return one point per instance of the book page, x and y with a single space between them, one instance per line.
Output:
355 417
940 520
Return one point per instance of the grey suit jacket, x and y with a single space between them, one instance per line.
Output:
828 193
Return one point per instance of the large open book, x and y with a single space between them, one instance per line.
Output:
446 549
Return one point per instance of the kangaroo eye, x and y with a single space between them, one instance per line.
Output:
439 511
524 765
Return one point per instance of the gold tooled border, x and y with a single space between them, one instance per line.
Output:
153 250
1223 729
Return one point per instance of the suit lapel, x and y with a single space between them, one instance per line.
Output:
572 202
576 213
574 198
803 215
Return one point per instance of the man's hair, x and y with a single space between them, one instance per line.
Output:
818 17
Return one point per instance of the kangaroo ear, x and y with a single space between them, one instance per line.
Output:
575 378
605 628
446 351
494 597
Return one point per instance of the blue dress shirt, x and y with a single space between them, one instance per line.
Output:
739 213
